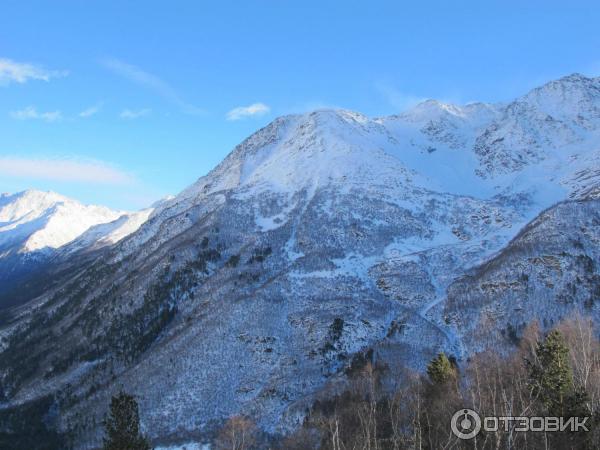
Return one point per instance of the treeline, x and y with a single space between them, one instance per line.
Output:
556 375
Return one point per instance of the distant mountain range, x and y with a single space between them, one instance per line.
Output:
38 227
321 237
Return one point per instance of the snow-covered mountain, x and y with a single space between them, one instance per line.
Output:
36 221
36 227
320 237
105 234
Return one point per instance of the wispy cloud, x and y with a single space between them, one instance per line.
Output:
134 114
151 82
31 113
16 72
64 170
92 110
241 112
398 99
310 106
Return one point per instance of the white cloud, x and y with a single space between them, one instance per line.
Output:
401 101
310 106
255 109
149 81
134 114
69 170
31 113
15 72
89 112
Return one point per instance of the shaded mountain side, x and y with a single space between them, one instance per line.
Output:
21 282
30 426
16 276
42 231
28 281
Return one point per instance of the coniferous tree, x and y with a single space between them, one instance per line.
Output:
440 369
551 374
123 425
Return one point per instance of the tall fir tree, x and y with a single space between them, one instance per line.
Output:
123 425
551 374
441 370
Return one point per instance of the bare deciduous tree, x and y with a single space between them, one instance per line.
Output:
239 433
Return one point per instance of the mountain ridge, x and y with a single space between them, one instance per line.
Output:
23 207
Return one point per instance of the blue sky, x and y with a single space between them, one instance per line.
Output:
121 103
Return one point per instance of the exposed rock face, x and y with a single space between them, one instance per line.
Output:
320 237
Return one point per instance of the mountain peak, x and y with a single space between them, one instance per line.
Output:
431 107
565 86
31 194
336 114
436 110
575 77
573 98
33 220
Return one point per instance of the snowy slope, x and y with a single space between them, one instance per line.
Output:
448 148
531 148
549 270
105 234
33 220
